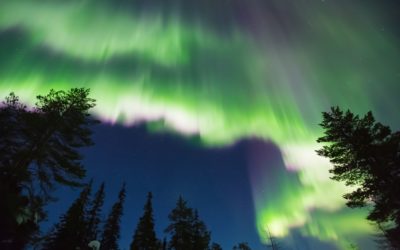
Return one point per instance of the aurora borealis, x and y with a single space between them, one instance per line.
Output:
225 70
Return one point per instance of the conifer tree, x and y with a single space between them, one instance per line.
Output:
215 246
70 232
111 232
201 237
164 244
180 228
242 246
94 215
187 231
145 236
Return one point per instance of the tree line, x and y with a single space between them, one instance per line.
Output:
39 151
80 226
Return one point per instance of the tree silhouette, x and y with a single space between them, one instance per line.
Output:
215 246
242 246
366 154
70 232
111 232
187 231
180 227
19 210
38 149
94 215
201 236
273 243
164 244
145 236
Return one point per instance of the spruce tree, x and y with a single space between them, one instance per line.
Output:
180 228
111 232
94 215
242 246
201 236
215 246
70 232
187 231
145 236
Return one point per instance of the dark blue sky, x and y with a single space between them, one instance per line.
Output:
214 181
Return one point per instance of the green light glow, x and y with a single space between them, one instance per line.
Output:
90 32
316 208
269 80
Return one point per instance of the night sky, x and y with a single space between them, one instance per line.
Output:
215 100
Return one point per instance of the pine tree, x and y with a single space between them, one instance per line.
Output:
94 215
145 236
201 237
70 232
365 154
215 246
187 231
39 149
242 246
111 232
180 227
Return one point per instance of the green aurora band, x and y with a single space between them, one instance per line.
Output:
267 75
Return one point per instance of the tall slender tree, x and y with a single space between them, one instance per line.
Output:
272 241
180 228
215 246
39 149
94 215
242 246
187 231
164 244
201 236
111 232
70 232
144 237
